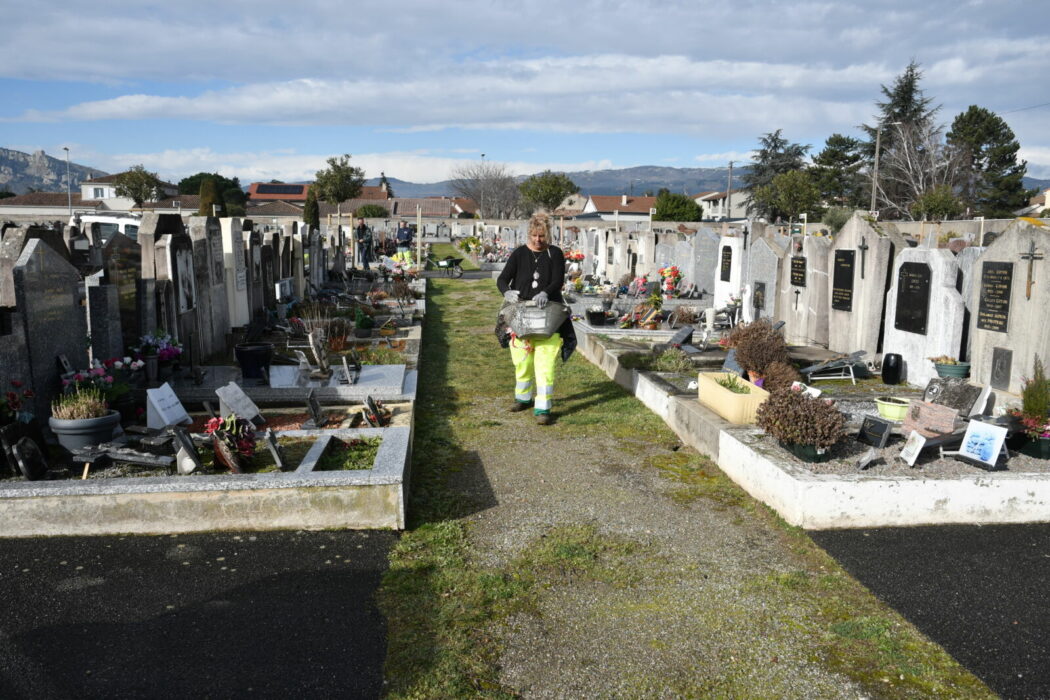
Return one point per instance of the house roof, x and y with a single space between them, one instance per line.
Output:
404 207
374 192
717 195
633 205
466 204
277 208
188 202
705 193
274 191
45 199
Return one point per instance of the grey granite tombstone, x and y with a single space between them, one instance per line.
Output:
152 230
764 266
856 313
803 299
49 292
253 244
705 258
122 264
924 311
14 242
235 272
1011 299
103 302
210 277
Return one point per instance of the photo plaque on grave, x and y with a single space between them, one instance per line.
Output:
913 298
798 271
993 309
842 280
875 431
727 263
758 297
1002 365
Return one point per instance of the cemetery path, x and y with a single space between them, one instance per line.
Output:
599 557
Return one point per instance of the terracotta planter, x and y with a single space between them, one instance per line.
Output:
85 432
735 408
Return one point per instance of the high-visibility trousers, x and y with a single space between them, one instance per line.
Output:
535 357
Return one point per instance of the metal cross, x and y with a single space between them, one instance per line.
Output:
1031 256
797 292
863 248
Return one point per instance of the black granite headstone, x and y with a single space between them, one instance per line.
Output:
875 431
798 271
727 263
913 298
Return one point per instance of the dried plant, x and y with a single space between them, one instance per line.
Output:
80 404
758 346
794 418
780 376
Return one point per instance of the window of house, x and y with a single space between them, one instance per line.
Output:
99 193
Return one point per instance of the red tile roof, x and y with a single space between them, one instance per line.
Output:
277 191
634 205
46 199
273 209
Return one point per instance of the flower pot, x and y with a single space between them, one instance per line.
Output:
151 367
596 318
962 369
807 453
253 358
362 332
735 408
85 432
892 407
386 332
1037 447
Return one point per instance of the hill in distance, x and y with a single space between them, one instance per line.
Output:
21 172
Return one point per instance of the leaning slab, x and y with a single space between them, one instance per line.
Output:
304 499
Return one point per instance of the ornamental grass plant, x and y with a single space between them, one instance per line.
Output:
80 404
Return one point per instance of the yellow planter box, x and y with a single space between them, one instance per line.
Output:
735 408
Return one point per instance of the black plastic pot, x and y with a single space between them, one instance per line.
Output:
596 318
253 358
892 364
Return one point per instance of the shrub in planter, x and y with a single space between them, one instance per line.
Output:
758 346
794 418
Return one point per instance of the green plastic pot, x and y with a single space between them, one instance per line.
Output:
962 369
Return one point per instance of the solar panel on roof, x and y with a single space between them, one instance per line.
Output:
279 189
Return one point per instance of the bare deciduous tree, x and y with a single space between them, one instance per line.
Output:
918 162
489 184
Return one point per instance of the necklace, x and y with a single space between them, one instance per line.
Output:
535 270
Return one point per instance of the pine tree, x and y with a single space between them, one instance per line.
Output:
311 211
836 171
992 178
210 197
775 156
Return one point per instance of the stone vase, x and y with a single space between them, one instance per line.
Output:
151 368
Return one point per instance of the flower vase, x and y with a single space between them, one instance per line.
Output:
151 368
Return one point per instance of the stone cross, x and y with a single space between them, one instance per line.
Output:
863 248
797 292
1031 256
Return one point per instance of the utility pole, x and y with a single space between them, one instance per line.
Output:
69 185
729 192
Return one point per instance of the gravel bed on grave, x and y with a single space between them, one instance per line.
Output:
887 462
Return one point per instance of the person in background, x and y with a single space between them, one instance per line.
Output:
364 243
404 243
536 271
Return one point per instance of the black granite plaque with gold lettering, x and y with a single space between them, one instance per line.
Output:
727 263
798 271
913 298
993 308
842 280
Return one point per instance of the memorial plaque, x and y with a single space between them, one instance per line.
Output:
875 431
842 280
993 309
727 263
929 419
1002 364
798 271
163 408
758 296
232 399
913 298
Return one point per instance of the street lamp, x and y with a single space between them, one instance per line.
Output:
482 173
69 185
875 169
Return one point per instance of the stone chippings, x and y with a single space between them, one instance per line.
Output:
698 617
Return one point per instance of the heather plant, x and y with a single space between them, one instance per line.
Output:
80 404
794 418
758 346
1035 394
780 376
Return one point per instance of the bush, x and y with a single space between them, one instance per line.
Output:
836 217
794 418
1035 395
758 346
372 211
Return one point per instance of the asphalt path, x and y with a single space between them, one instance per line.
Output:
219 615
981 592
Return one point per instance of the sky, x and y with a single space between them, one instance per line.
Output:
267 90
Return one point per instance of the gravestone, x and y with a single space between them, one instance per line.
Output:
967 279
85 249
48 294
163 408
176 265
277 451
256 300
729 280
875 431
122 265
210 281
269 261
298 272
803 303
859 279
104 328
232 399
765 264
235 272
924 311
957 393
156 311
187 459
1012 302
929 419
15 241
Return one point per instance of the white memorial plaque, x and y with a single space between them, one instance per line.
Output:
983 442
912 448
163 408
232 399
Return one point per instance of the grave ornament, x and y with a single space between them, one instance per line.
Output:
187 460
276 451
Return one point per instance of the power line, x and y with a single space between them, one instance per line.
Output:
1022 109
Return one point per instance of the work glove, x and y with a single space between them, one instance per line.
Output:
540 299
511 296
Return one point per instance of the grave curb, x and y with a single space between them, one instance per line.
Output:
827 501
363 499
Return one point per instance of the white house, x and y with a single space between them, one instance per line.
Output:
718 206
618 208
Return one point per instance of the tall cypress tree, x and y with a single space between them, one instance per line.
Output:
210 196
992 183
311 211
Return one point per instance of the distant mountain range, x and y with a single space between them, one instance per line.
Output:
20 172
